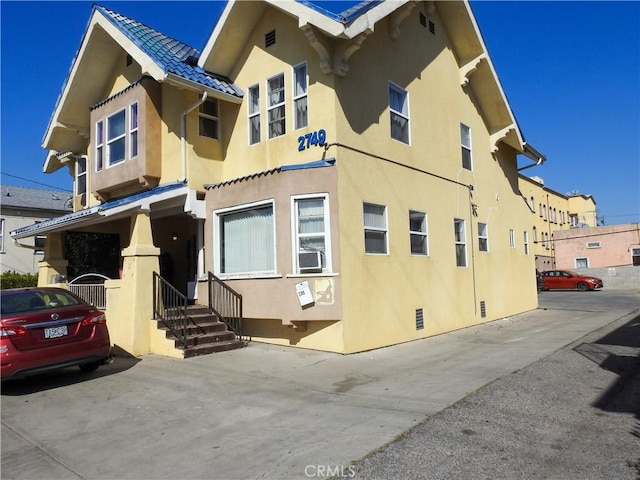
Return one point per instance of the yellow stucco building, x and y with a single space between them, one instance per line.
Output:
343 182
552 211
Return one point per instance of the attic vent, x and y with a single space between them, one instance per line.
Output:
594 244
419 319
129 60
270 38
432 27
483 309
423 19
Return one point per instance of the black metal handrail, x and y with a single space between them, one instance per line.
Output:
226 304
170 306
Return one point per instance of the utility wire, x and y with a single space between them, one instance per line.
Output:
37 183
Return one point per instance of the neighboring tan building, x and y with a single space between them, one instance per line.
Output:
22 206
552 211
352 177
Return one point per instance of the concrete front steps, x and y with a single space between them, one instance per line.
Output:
205 334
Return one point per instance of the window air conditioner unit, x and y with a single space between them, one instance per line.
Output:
310 261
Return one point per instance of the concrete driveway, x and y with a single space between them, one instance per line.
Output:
268 411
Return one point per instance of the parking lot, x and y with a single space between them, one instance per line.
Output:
274 412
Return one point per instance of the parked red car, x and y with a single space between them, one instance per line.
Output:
43 329
563 279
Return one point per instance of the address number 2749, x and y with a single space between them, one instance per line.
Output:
317 138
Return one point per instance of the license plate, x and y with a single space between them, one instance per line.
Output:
55 332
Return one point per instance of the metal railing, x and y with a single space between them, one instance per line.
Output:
170 306
93 293
226 304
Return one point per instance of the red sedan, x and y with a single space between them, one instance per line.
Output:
563 279
43 329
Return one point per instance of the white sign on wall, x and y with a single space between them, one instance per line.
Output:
304 294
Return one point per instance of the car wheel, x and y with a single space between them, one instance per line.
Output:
583 287
89 367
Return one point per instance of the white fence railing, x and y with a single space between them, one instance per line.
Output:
93 293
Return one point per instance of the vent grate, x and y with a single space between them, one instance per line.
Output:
483 309
432 27
419 319
423 20
270 38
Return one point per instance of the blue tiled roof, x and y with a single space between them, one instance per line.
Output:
170 54
346 16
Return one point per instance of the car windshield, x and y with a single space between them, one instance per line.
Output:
28 301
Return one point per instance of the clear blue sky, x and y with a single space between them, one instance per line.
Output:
570 70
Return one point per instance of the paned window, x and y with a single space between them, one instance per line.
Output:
133 130
526 243
246 240
276 106
418 233
116 126
81 177
512 238
483 237
582 262
375 228
465 142
208 119
300 95
1 235
99 145
460 236
254 114
399 112
311 227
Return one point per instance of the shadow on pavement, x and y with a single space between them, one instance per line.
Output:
120 362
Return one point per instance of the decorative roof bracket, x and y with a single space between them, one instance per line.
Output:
79 129
397 17
468 68
344 50
497 136
320 48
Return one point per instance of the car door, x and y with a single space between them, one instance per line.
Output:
551 280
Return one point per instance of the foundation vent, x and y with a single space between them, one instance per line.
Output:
483 309
419 319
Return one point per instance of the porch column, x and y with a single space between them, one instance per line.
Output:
52 270
140 260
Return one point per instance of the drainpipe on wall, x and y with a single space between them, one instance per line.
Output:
183 133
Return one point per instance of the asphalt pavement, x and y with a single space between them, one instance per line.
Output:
552 393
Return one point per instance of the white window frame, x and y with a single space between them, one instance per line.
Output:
376 229
217 217
110 141
596 244
483 236
393 113
635 252
2 226
579 259
279 105
421 234
300 97
100 151
133 130
466 148
81 175
460 240
296 235
512 238
202 115
252 91
526 242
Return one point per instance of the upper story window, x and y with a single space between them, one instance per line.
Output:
300 95
465 143
418 233
254 114
311 229
483 237
111 137
526 242
208 119
81 178
512 238
375 228
1 235
275 106
399 112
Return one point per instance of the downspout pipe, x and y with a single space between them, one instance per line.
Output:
183 132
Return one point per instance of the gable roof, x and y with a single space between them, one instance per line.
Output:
239 18
160 57
13 196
